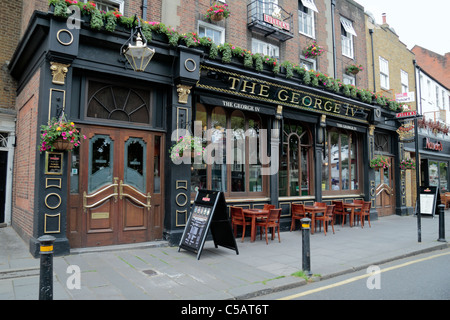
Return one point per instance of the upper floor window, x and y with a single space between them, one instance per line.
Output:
306 10
384 73
348 79
265 48
404 81
108 5
347 33
308 64
216 33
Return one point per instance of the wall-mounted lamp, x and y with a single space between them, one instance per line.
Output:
138 55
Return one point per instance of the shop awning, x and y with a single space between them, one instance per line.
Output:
348 26
310 5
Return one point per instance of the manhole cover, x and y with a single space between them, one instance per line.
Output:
150 272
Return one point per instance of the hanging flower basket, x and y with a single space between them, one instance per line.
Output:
313 50
354 69
194 144
408 164
379 162
59 135
217 12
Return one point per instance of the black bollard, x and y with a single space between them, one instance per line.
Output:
441 223
306 257
46 271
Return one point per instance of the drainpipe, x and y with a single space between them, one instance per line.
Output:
144 10
333 5
373 61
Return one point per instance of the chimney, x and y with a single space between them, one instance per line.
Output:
383 16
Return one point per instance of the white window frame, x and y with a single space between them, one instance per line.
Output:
305 62
206 25
267 48
384 73
309 18
404 81
347 38
119 3
348 79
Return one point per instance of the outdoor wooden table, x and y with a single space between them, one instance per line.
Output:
312 210
352 206
253 214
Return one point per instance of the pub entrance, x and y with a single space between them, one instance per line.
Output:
116 185
385 189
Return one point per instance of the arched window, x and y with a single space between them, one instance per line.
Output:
296 161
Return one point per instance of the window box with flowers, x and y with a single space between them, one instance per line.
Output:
407 164
59 135
217 12
354 69
193 144
313 51
379 162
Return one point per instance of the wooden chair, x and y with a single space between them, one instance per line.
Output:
326 219
272 221
359 201
446 199
238 219
297 213
364 212
339 210
320 204
268 206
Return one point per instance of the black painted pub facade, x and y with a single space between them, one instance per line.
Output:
121 186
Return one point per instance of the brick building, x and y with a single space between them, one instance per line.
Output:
9 38
122 184
390 70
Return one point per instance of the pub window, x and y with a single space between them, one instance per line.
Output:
438 175
243 175
340 170
296 161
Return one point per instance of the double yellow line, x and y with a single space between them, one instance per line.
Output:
337 284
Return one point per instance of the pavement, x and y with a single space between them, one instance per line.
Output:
160 272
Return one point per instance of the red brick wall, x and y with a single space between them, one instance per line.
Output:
9 38
24 160
352 12
436 65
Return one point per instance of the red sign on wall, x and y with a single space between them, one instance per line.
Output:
277 23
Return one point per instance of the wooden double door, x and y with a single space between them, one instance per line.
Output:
119 198
385 189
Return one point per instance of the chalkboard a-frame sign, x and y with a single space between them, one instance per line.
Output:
429 200
209 212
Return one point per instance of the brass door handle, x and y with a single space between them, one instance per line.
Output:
114 194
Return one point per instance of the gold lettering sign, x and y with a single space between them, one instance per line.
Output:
294 96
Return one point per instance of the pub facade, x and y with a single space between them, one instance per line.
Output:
272 133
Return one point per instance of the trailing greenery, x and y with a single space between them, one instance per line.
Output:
227 53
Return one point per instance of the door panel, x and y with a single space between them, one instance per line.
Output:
385 195
117 177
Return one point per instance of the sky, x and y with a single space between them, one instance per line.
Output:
416 22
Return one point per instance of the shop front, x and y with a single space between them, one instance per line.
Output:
267 138
311 145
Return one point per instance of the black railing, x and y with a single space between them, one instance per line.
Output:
269 19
